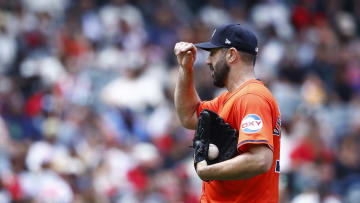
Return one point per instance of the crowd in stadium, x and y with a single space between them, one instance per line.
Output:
86 96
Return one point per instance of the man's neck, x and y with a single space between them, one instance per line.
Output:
237 80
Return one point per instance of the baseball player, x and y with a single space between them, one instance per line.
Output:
251 173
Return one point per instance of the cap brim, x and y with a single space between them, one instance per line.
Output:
206 46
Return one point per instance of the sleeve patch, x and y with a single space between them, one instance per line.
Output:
251 123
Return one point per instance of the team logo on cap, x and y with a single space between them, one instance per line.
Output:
252 123
227 41
213 33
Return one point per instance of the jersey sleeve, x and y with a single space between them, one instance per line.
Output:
254 123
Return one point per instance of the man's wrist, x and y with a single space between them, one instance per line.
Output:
186 70
201 170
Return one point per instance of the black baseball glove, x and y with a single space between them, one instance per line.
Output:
211 128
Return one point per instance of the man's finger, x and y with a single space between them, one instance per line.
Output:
201 165
187 47
177 48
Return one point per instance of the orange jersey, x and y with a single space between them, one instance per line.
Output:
252 110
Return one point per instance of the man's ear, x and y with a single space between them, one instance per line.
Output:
232 55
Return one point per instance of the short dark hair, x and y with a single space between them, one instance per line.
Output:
245 57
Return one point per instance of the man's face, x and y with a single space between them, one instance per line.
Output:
218 66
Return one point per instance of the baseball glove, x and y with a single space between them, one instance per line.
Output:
211 128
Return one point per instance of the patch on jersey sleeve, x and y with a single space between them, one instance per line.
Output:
251 123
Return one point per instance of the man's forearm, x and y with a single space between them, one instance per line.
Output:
244 166
186 99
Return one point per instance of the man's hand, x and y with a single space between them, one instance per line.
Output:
186 54
201 170
186 98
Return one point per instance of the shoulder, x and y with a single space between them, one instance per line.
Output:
255 95
256 92
252 100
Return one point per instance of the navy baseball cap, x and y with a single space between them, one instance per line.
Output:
232 35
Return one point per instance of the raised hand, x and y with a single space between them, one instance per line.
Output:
186 54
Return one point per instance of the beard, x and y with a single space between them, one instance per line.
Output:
220 72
